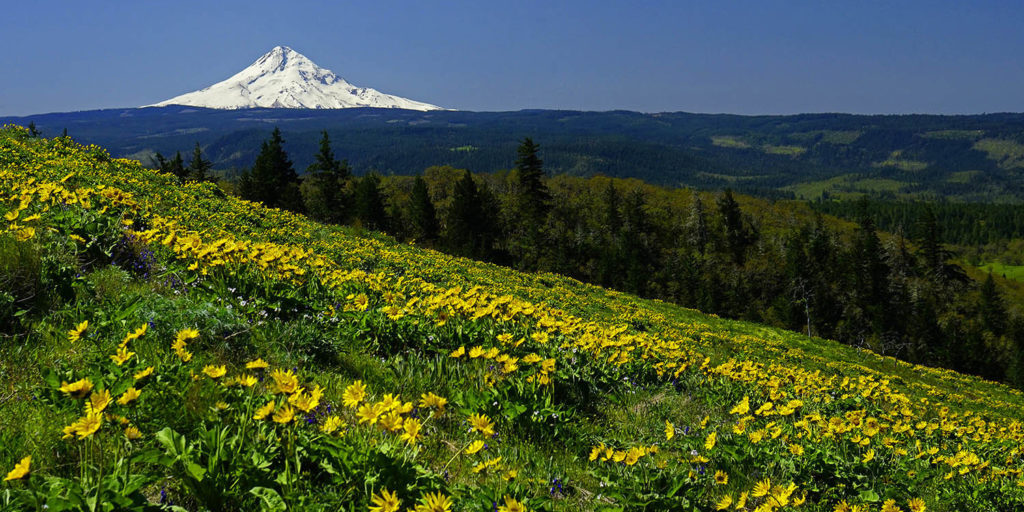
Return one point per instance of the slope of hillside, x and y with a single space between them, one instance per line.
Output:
167 347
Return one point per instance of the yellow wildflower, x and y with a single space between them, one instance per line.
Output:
709 442
481 424
741 408
386 501
98 401
85 426
20 469
869 456
77 389
432 400
215 372
258 364
369 413
724 502
512 505
354 394
143 373
332 424
670 430
434 502
476 446
264 411
412 430
916 505
721 478
285 381
306 401
76 333
129 395
122 355
132 433
284 415
761 488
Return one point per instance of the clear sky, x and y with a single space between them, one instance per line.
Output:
741 57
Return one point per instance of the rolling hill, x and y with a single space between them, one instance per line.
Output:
971 158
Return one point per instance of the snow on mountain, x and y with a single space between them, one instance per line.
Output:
284 78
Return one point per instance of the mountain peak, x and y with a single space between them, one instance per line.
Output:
284 78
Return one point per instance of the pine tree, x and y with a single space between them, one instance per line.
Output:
274 180
612 217
698 233
737 234
607 246
870 275
534 198
323 190
33 131
369 203
462 233
531 205
177 167
935 255
635 243
489 227
422 212
991 307
199 167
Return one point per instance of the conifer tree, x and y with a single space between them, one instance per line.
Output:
422 212
462 233
991 307
199 167
737 235
612 216
532 202
177 167
870 275
697 226
369 203
274 181
534 198
935 255
608 246
33 131
323 190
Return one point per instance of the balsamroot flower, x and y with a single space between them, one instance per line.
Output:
77 389
20 470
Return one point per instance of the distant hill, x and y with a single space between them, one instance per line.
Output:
971 158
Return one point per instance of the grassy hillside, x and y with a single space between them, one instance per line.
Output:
167 347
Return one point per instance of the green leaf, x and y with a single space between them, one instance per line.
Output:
869 496
172 441
270 500
195 471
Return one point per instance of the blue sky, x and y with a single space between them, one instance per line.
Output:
739 57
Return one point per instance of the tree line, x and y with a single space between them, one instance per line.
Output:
780 264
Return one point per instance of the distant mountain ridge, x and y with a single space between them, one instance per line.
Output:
968 157
284 78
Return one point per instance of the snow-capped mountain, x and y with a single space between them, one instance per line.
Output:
284 78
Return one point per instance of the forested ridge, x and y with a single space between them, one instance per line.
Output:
783 263
973 158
